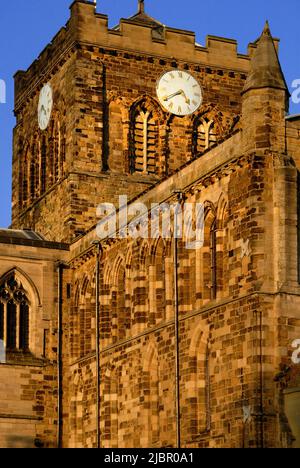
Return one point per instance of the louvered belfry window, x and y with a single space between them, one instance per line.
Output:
14 315
145 142
206 135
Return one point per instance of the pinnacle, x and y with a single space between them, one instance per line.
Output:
265 68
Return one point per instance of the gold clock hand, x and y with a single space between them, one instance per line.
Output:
178 93
187 100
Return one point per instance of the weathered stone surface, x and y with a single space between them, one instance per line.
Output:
238 295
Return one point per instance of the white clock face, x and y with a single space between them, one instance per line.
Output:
179 92
45 106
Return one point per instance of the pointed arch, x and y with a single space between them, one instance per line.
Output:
87 314
106 309
107 274
223 246
143 258
209 253
209 127
18 311
75 322
120 260
28 283
145 141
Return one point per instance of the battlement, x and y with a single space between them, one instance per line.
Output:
154 38
135 35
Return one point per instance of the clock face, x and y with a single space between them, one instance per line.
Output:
45 106
179 92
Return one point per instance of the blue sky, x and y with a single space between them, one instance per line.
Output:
27 26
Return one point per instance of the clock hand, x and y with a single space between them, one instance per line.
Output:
178 93
187 100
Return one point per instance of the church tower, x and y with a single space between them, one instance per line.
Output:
146 342
90 125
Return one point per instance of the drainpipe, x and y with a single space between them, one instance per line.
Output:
176 320
60 268
98 247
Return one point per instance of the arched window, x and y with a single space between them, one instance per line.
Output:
14 315
121 312
87 322
145 141
209 252
205 135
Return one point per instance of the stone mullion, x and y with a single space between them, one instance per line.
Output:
18 318
5 324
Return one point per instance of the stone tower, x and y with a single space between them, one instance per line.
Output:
103 82
136 343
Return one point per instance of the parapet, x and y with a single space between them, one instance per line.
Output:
134 35
154 39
